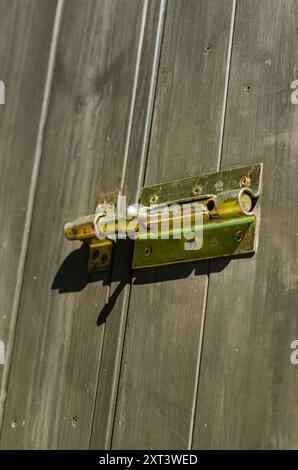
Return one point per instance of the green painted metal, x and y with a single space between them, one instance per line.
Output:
209 184
229 227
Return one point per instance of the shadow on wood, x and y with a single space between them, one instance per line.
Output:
72 275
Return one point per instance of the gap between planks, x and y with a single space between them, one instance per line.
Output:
141 176
219 158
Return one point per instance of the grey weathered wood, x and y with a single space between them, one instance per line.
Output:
116 310
25 37
248 387
64 374
55 365
162 343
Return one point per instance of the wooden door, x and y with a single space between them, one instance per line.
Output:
112 95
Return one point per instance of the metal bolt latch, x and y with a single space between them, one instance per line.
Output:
228 224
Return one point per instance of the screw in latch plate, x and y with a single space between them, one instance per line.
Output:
239 235
153 199
244 181
147 250
196 190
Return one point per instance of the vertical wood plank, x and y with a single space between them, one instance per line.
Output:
115 312
25 39
58 341
247 395
162 344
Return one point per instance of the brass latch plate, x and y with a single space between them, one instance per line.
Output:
209 184
232 232
228 223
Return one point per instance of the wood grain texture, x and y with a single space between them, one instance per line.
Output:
58 343
115 312
162 343
247 395
25 37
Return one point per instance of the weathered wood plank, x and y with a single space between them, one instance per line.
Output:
248 387
25 38
58 342
115 311
162 344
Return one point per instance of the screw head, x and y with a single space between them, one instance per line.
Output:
153 199
244 181
239 235
196 190
147 250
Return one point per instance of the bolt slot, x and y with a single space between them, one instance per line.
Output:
247 200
